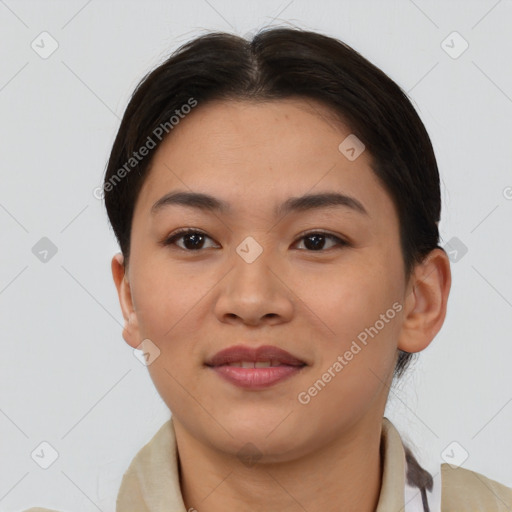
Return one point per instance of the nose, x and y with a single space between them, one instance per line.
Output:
254 293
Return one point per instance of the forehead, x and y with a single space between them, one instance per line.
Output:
259 153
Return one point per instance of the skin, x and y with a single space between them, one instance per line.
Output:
322 456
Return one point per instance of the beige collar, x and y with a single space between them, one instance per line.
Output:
151 482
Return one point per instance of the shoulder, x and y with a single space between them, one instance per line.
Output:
465 490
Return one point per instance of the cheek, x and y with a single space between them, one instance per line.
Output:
170 315
347 299
356 360
165 297
364 317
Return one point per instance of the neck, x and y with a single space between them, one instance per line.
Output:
344 475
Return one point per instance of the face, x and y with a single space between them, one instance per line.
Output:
324 283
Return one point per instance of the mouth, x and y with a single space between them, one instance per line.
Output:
258 368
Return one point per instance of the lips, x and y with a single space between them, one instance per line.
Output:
263 354
255 369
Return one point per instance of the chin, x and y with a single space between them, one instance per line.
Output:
266 431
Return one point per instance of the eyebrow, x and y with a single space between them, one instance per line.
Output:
206 202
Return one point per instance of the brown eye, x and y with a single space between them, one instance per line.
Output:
193 240
315 241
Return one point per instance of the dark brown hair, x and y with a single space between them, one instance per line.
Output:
283 63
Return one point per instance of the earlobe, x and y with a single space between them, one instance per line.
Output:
131 328
426 303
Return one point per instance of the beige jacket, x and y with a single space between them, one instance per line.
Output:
151 482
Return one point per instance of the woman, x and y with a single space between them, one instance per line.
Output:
277 203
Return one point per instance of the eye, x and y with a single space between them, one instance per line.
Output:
317 240
192 239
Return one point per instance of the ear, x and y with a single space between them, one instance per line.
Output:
426 301
131 332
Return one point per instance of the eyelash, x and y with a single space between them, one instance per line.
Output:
184 231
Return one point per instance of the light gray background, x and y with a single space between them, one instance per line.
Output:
68 377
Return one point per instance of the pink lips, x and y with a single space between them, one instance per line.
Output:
283 366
